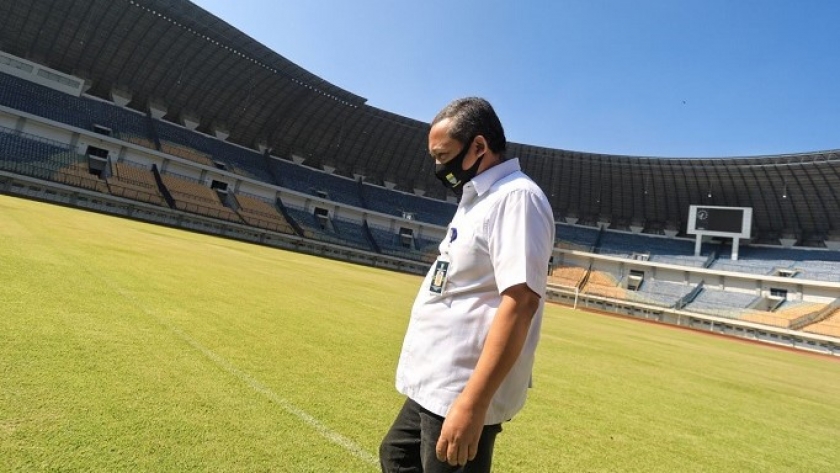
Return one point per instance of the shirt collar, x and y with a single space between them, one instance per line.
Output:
484 181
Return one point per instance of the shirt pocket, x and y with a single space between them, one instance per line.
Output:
468 258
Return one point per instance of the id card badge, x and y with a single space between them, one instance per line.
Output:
439 277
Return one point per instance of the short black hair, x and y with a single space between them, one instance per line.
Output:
473 116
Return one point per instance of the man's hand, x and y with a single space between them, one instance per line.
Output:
460 433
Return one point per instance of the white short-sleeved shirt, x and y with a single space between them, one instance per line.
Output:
502 235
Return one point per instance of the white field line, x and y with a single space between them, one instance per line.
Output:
287 406
326 432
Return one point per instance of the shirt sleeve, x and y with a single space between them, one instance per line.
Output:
520 240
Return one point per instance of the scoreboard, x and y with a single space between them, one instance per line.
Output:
732 222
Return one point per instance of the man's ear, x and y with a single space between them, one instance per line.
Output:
481 145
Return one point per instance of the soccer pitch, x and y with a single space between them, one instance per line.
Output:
126 346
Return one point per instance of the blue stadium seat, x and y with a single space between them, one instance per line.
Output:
400 204
234 158
343 232
661 293
32 156
390 243
318 183
721 303
576 235
80 112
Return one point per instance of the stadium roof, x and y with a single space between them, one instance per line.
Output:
173 55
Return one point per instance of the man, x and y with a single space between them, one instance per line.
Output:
466 360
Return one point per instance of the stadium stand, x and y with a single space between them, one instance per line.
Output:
261 213
603 284
408 206
81 112
652 248
813 264
568 276
830 326
815 270
722 303
749 266
317 183
352 233
38 100
211 151
185 152
311 227
606 284
192 196
671 294
134 181
41 158
785 315
803 263
330 230
575 237
30 155
79 174
391 243
663 293
428 249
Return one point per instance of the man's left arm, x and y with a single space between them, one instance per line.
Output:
462 427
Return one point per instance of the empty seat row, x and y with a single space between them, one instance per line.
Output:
81 112
191 196
829 326
405 205
569 276
263 214
318 183
576 237
209 151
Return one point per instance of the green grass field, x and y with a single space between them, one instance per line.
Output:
131 347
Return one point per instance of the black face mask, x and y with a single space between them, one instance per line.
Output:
453 175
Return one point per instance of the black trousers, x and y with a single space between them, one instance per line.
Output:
409 447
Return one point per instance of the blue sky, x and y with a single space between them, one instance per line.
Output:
703 78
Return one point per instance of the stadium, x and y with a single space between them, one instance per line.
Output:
206 130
